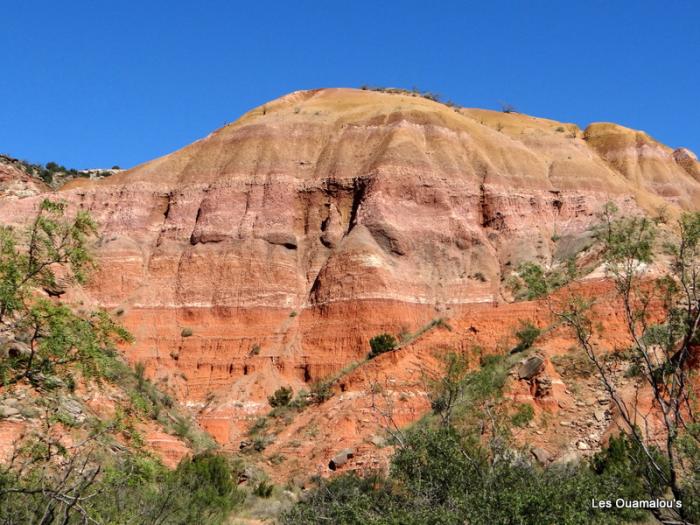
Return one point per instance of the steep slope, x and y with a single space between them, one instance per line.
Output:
287 239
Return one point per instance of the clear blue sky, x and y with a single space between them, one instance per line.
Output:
97 83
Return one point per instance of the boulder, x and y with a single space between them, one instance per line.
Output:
341 458
15 349
8 411
74 409
541 455
530 367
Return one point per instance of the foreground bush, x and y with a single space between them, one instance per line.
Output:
439 478
129 490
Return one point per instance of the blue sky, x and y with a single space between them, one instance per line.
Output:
96 83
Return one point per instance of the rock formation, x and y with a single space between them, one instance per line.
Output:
284 241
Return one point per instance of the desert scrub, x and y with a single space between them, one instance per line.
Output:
281 398
523 415
381 344
526 335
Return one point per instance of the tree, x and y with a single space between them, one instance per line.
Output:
55 334
94 479
662 320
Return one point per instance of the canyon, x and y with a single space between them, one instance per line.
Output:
268 253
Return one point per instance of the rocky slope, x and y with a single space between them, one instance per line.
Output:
285 240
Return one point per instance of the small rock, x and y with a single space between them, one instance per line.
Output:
378 441
72 407
541 455
15 349
565 423
8 411
531 367
341 458
569 457
599 415
582 445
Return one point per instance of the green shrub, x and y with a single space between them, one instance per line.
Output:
526 335
534 279
380 344
301 400
186 332
438 477
263 489
131 489
321 391
281 398
523 415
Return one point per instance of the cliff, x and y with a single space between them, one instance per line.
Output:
287 239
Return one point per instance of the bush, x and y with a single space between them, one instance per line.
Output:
281 398
438 477
526 336
132 490
186 332
523 415
263 489
321 391
380 344
535 281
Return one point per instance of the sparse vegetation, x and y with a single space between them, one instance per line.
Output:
523 415
186 332
413 92
321 391
263 489
662 318
441 473
53 173
531 281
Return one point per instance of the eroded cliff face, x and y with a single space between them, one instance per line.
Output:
285 240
